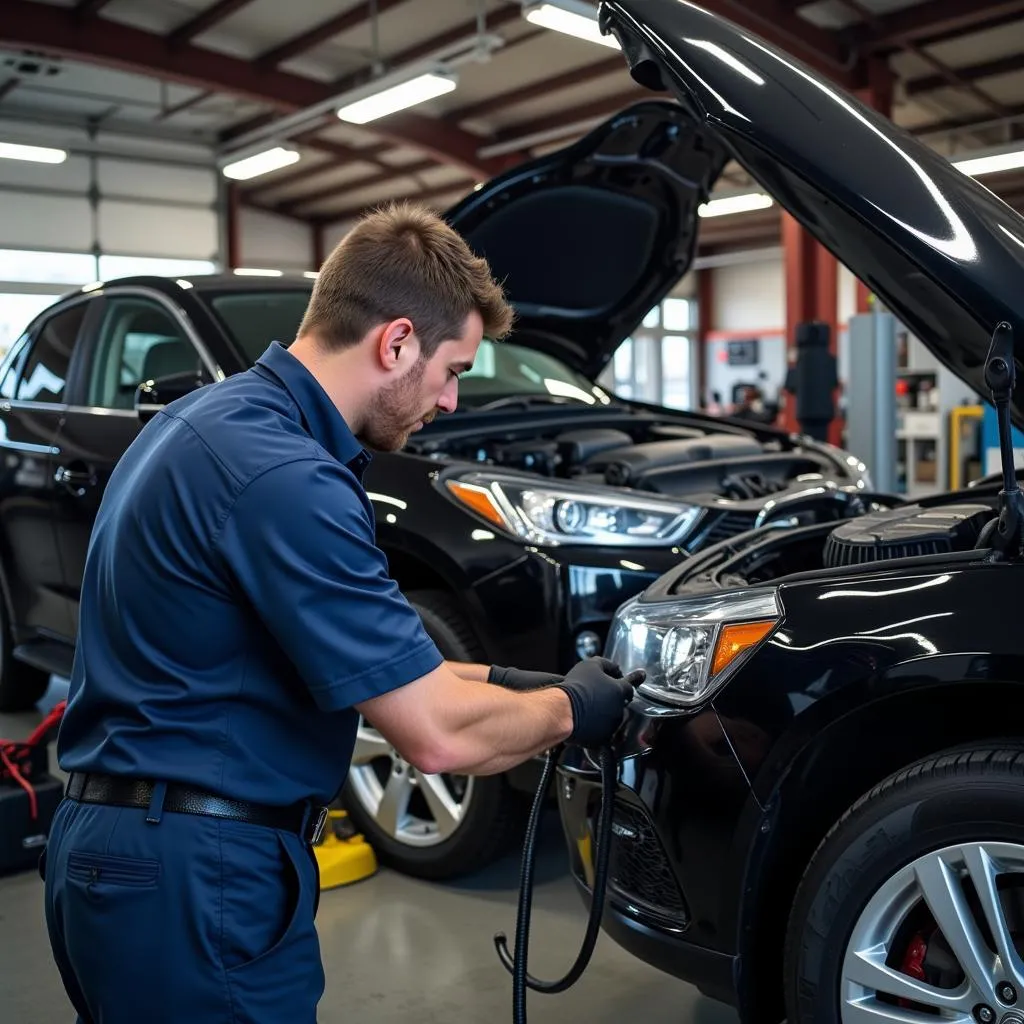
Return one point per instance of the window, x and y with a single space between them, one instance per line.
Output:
14 360
254 319
17 311
138 340
46 372
47 267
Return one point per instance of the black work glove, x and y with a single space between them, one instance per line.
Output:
521 679
599 695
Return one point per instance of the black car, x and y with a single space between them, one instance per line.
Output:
819 809
516 526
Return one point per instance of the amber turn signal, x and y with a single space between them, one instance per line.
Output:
735 639
478 499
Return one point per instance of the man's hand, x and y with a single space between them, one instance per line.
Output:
598 694
521 679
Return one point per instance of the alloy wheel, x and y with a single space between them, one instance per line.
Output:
410 806
941 940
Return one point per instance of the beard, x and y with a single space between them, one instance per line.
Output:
395 411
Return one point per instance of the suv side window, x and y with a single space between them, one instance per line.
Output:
10 370
138 340
46 372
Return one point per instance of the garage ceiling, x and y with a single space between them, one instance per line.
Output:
210 74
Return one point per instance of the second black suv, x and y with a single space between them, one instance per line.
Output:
516 526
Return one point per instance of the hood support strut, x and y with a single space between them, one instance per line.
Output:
1001 377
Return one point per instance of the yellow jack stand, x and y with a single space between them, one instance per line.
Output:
343 855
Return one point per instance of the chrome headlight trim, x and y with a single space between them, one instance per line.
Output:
676 642
553 512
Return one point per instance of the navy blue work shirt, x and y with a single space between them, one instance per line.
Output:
235 605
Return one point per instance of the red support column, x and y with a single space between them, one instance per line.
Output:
878 96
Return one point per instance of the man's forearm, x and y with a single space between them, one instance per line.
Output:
496 729
470 672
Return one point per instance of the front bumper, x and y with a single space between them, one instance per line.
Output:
671 882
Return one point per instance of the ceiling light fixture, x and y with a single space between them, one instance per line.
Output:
398 97
745 203
34 154
991 164
256 272
570 17
260 163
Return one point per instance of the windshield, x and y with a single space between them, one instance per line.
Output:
501 369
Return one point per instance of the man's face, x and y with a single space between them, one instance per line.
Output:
429 386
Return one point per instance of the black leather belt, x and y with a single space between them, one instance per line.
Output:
303 818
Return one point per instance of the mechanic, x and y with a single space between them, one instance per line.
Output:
237 617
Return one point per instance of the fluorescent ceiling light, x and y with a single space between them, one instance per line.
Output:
398 97
735 204
311 273
574 19
991 164
260 163
34 154
255 272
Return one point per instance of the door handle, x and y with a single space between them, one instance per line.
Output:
75 480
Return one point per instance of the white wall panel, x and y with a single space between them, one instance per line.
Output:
278 243
72 174
334 233
156 181
143 230
44 222
847 303
750 296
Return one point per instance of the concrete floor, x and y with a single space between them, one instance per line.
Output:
396 949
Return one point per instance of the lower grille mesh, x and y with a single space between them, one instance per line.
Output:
639 871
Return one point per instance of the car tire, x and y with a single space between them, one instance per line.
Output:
21 685
897 896
491 814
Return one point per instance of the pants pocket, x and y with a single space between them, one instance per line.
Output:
110 870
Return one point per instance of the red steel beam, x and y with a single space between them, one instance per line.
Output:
192 101
544 87
934 22
912 46
56 30
424 196
89 8
973 73
371 180
350 19
205 20
777 22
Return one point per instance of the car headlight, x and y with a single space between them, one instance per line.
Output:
689 648
565 513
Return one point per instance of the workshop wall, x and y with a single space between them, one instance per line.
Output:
267 240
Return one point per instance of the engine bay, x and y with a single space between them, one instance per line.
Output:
882 534
640 454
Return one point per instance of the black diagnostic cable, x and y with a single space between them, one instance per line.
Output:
517 967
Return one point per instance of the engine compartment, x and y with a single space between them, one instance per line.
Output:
640 454
882 534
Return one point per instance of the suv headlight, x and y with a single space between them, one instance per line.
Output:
558 512
689 648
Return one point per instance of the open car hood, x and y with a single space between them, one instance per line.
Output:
941 251
588 239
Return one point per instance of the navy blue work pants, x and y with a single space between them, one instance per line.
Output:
190 920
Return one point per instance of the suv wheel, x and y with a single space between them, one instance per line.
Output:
912 909
21 685
431 826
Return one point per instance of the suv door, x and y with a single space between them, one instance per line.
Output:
33 391
137 335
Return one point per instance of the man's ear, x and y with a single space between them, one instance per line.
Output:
398 346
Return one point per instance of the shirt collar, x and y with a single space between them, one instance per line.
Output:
321 416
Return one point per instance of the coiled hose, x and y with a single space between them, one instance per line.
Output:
521 978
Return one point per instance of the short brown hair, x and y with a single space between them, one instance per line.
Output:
404 260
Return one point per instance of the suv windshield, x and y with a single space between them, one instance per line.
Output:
501 369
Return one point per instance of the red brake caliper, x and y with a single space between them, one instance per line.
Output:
913 962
